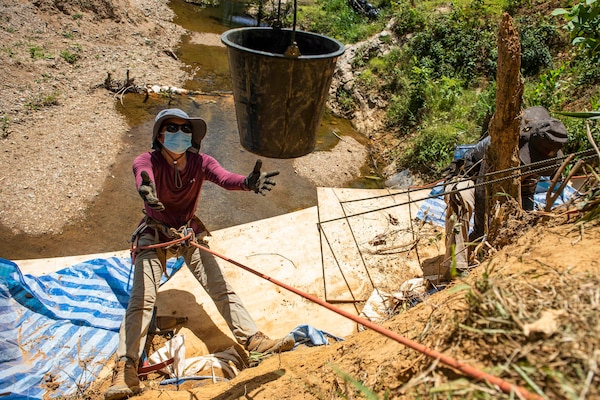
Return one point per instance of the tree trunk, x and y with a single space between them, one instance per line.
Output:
504 126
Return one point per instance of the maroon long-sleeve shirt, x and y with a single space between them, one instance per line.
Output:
180 203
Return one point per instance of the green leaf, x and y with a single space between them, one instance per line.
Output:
582 114
459 287
559 11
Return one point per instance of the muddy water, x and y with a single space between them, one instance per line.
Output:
116 211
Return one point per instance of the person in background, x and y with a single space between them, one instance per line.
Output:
541 138
169 180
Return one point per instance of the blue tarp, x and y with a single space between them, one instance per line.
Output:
57 331
311 336
434 210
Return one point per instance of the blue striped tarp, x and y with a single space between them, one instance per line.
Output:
434 210
57 331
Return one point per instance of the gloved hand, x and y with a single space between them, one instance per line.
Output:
148 193
456 168
260 182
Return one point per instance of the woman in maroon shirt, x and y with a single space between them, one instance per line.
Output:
169 179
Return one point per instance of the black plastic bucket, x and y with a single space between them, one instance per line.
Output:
279 100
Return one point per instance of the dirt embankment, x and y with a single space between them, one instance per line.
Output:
60 132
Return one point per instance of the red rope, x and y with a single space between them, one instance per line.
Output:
146 369
163 244
452 362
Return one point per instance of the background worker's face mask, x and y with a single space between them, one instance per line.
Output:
177 142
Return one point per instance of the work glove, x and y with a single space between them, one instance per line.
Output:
456 168
258 181
148 193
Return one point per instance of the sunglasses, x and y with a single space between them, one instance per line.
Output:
172 128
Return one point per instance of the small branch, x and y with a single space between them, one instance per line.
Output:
591 138
550 197
171 54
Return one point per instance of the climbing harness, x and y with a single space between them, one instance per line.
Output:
184 236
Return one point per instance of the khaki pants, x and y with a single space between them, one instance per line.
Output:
459 210
146 280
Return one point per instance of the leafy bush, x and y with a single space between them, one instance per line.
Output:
536 38
433 148
549 91
408 19
577 131
407 106
588 72
583 23
337 19
436 47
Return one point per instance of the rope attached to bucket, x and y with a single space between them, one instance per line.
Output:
292 50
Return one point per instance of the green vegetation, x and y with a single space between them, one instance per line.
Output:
71 55
583 23
4 124
439 80
37 53
43 101
337 19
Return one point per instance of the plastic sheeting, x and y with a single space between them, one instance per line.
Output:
311 336
434 210
57 331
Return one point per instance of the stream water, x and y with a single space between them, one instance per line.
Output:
116 211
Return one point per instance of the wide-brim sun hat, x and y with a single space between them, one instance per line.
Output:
541 136
198 126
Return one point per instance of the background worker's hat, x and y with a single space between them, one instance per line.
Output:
541 136
198 127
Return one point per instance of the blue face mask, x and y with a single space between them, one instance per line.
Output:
177 142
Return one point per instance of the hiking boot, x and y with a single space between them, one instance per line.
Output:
125 381
260 343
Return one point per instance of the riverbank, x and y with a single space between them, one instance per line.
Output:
61 132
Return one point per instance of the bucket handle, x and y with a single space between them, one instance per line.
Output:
292 51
